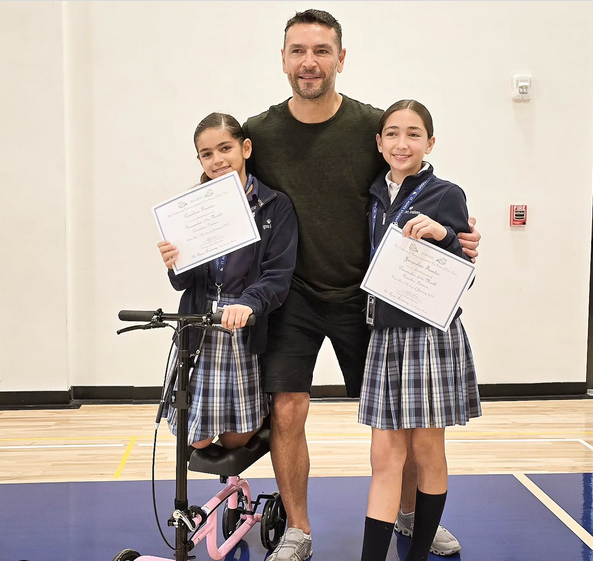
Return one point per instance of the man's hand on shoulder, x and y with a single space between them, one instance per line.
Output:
470 242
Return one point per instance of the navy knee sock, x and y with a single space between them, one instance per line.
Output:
377 537
429 509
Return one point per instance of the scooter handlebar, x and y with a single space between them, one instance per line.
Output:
146 316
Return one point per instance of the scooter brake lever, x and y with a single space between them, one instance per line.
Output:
151 325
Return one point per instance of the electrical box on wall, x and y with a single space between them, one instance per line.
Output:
522 86
518 215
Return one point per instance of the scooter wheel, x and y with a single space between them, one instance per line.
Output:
231 520
126 555
273 522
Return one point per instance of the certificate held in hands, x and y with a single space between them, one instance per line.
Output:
208 221
418 277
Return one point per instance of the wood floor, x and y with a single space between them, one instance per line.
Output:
114 442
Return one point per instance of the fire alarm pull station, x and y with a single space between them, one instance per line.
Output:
518 215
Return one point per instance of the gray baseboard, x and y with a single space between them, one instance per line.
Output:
78 395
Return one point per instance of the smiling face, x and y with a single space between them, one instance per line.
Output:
220 153
404 142
311 59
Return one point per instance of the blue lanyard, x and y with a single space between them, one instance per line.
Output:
220 262
408 202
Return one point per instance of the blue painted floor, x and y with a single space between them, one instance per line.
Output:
573 492
494 516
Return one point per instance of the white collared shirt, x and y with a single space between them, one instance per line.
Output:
393 187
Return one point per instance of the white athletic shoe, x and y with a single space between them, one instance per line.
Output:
293 546
444 543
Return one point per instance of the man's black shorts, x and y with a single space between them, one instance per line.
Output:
295 335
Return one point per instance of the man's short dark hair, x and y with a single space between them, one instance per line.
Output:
316 16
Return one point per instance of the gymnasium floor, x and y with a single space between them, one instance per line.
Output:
75 484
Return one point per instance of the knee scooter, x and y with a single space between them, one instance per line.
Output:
240 512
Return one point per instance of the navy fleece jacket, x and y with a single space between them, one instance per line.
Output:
268 280
442 201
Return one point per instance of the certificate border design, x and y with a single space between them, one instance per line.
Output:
209 184
468 281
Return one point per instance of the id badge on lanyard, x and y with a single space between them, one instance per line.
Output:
370 311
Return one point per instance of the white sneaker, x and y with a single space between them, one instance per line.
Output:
444 543
293 546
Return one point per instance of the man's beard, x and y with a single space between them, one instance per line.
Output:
310 91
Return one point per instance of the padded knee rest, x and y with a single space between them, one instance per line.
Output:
218 460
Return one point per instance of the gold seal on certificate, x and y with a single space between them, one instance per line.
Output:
418 277
208 221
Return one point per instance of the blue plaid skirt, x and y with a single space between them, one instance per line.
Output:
419 377
225 386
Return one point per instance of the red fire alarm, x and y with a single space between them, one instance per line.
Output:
518 215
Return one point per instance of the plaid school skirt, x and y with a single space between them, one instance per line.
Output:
419 377
225 386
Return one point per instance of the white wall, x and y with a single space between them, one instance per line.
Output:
97 124
33 348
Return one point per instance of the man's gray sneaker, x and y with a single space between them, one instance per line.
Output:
293 546
444 543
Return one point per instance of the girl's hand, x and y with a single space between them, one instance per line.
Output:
470 242
235 316
423 227
169 253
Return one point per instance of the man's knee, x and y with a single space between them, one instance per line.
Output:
289 411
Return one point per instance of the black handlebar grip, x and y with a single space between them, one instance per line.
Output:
251 320
216 318
135 315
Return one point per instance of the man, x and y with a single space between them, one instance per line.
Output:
319 148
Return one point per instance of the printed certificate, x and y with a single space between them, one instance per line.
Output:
207 221
418 277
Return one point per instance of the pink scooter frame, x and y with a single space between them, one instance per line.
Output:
209 530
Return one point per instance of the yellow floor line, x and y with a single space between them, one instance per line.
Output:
557 510
125 458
